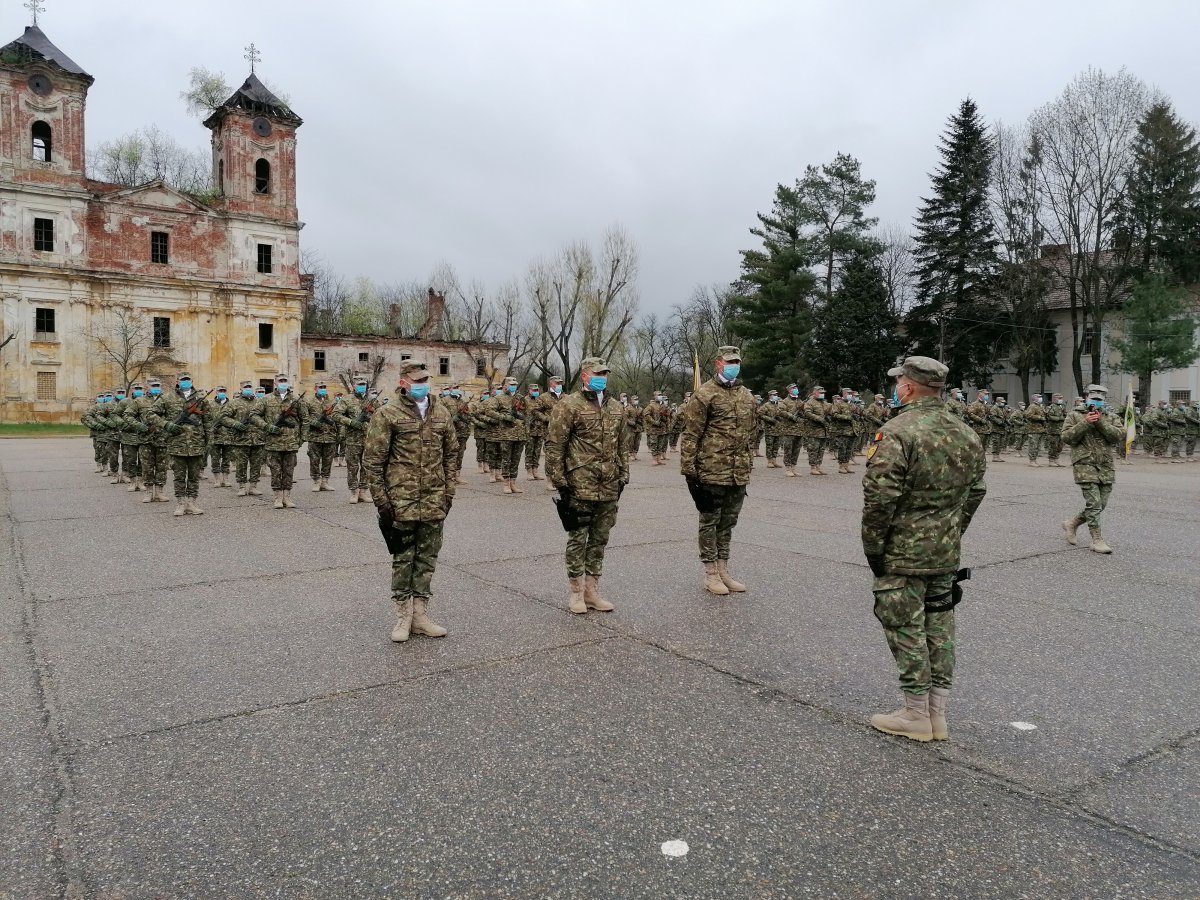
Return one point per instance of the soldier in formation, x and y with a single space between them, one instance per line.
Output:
354 416
656 419
322 434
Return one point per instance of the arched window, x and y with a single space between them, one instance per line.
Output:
262 177
220 176
42 142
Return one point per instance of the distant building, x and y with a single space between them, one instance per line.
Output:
207 283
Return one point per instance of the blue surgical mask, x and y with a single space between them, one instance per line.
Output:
512 388
419 391
247 393
282 388
322 392
120 397
1095 404
820 396
895 399
360 389
535 394
795 392
185 385
139 394
598 383
221 395
556 390
260 394
731 371
155 391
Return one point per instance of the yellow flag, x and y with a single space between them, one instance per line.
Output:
1130 422
695 372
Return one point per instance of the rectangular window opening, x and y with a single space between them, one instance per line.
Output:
43 325
364 357
160 247
162 331
444 365
318 360
264 259
1091 340
1185 396
266 336
480 368
43 235
47 385
404 356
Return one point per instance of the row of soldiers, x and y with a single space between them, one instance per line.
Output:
842 425
1169 430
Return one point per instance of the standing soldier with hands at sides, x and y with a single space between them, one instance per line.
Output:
411 459
716 457
286 430
354 415
923 484
537 417
1092 434
587 463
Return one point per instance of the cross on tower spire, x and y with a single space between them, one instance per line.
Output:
252 53
35 7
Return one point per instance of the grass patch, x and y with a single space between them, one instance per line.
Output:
40 429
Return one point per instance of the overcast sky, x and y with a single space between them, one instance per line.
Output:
490 132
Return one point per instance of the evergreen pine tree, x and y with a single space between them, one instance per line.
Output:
955 318
1159 332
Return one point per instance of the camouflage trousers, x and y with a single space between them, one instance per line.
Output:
463 434
356 475
481 450
1034 447
533 451
1176 442
999 439
412 568
921 642
656 444
282 464
247 463
772 446
1054 444
508 457
633 441
131 460
816 451
221 455
674 439
1189 445
843 447
320 459
185 471
153 461
1095 498
792 445
716 526
112 456
585 546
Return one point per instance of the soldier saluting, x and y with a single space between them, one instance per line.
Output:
923 484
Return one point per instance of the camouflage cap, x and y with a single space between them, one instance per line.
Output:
1097 389
247 383
508 381
183 375
220 387
817 387
157 381
411 367
923 370
729 354
361 380
137 384
322 384
594 364
282 376
772 393
879 396
555 378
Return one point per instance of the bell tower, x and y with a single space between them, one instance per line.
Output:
254 150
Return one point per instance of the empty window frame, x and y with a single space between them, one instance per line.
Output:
318 360
262 177
364 357
444 365
480 368
160 247
266 336
43 139
265 266
43 324
162 331
43 235
1185 396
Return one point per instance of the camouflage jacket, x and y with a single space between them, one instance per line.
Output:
718 430
537 414
585 446
1016 420
656 419
91 419
923 484
633 418
150 416
481 416
278 411
220 417
998 417
191 437
841 420
507 415
1176 421
122 429
322 427
958 407
1193 422
411 461
1055 416
876 414
246 422
676 419
1092 447
1035 419
816 417
768 415
979 417
460 414
354 415
790 421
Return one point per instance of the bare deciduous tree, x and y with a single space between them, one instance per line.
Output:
151 155
124 342
895 261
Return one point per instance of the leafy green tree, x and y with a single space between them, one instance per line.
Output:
1162 202
1159 332
955 317
855 341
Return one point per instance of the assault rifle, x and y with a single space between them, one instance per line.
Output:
193 407
368 410
287 417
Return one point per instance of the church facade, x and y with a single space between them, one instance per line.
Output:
102 284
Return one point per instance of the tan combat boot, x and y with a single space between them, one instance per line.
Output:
591 595
254 491
364 496
791 472
514 488
135 484
316 488
771 464
938 698
150 491
844 469
355 496
421 623
507 487
278 504
241 490
712 580
496 479
180 508
1071 526
530 476
817 470
735 587
910 721
1098 543
192 508
575 600
404 617
287 500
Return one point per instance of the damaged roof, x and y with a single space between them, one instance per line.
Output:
254 97
34 46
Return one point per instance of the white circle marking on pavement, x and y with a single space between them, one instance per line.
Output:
674 848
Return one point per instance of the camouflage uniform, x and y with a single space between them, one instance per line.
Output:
150 416
586 454
876 414
537 419
186 415
222 436
508 430
633 422
246 449
1055 416
816 421
676 426
322 433
410 461
841 432
1035 427
91 421
768 414
286 430
1157 430
1176 431
656 419
715 452
979 417
460 410
1192 432
129 440
354 415
792 428
110 437
923 484
1092 448
1018 428
998 417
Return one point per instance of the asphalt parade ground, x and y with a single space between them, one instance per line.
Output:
210 706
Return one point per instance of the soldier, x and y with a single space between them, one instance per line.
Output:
677 423
287 428
507 415
460 414
186 416
1157 431
587 463
354 416
1177 429
841 432
789 422
633 421
923 484
537 418
547 402
768 414
131 438
656 419
410 456
998 417
1056 414
1035 427
478 421
339 449
91 421
248 429
979 417
110 436
1092 434
1192 433
221 435
115 412
322 436
816 421
149 417
1018 428
876 414
716 459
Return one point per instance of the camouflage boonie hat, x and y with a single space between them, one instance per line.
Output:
594 364
923 370
411 367
729 354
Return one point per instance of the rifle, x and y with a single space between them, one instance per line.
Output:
325 411
368 410
289 414
191 408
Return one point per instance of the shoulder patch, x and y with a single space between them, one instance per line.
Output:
874 445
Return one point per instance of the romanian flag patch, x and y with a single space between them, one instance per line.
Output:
874 445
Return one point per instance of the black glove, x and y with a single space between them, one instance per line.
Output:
876 564
447 502
387 515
